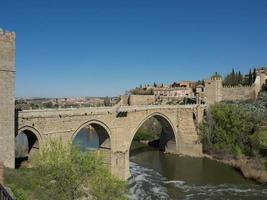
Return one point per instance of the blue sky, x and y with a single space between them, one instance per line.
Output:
100 48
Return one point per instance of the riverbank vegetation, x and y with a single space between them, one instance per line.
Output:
149 131
146 134
64 172
237 130
231 129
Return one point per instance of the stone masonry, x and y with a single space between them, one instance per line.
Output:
7 97
214 90
66 123
1 172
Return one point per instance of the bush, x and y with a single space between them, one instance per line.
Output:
259 141
145 134
68 173
228 128
107 187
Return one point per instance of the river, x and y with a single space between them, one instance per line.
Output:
156 175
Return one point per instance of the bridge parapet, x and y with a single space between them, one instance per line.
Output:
98 110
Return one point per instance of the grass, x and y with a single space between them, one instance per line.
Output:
23 183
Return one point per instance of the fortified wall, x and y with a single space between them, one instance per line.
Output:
7 97
133 100
214 90
238 93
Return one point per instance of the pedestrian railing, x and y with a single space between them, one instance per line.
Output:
4 195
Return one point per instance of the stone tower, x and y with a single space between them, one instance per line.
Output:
213 90
7 98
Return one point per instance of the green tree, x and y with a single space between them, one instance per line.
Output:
228 129
68 173
234 78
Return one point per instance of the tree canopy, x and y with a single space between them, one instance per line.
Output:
68 173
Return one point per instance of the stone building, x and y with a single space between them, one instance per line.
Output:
173 92
7 97
214 91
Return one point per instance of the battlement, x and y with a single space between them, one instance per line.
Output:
7 36
238 86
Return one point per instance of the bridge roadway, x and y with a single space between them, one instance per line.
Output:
116 127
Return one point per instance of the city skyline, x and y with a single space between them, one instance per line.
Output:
104 48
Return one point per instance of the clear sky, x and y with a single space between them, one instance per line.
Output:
100 48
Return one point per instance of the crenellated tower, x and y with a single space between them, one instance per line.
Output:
213 90
7 97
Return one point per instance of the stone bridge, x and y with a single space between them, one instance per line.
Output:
116 127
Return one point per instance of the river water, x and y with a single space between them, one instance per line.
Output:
156 175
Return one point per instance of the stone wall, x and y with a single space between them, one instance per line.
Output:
142 100
7 97
215 92
133 100
238 93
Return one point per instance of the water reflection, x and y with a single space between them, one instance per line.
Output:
87 139
21 145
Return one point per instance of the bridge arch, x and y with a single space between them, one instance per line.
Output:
87 123
31 129
27 142
94 135
168 140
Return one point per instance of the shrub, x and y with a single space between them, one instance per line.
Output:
227 129
259 141
145 134
69 173
107 187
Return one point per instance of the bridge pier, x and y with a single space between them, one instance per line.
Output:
120 164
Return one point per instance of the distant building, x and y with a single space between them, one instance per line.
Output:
199 89
184 84
173 92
